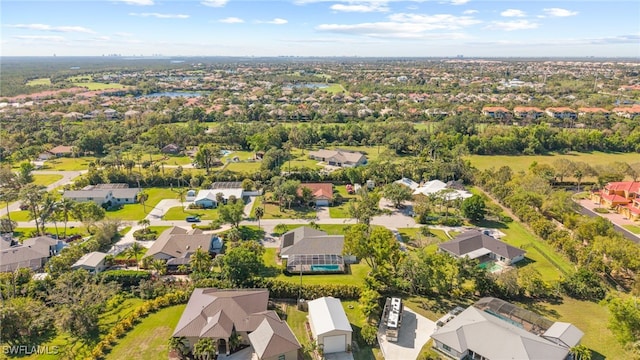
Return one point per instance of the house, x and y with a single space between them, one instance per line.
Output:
527 112
105 194
322 192
342 158
170 149
176 245
310 251
435 187
495 329
219 314
562 113
627 111
329 325
624 196
208 198
474 244
496 112
94 262
32 253
593 111
62 150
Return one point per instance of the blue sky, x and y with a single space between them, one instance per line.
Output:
320 28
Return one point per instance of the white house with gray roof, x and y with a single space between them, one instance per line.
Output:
474 244
32 253
94 262
493 329
111 194
340 158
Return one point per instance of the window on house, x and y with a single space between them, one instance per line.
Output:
281 357
446 347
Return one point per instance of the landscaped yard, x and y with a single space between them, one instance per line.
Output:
45 179
179 213
25 232
272 211
149 339
68 164
39 81
243 167
340 211
138 211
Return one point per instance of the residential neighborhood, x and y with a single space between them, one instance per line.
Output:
320 209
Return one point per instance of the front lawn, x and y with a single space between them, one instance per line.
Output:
340 211
68 164
25 232
149 339
19 216
272 211
45 179
243 167
179 213
138 211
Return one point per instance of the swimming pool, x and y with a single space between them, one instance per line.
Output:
327 267
490 266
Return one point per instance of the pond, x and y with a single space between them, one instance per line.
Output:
312 85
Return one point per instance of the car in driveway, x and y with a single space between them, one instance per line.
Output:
193 218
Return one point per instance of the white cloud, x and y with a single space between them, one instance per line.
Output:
214 3
513 13
161 16
231 20
558 12
137 2
459 2
512 25
437 21
45 27
364 7
276 21
41 37
124 34
470 12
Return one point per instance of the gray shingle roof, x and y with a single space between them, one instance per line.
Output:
308 241
178 243
473 240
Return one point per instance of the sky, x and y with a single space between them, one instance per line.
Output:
375 28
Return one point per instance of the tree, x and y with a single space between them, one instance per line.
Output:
207 156
232 213
177 343
9 191
580 352
88 212
580 170
65 208
24 318
32 196
159 266
397 193
474 208
25 175
259 213
377 247
49 211
144 223
242 262
200 261
142 199
625 318
563 168
204 349
180 194
365 206
134 251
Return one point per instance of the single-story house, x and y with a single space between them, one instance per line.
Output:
109 194
310 250
62 150
322 192
474 244
562 113
175 245
329 325
32 253
435 187
170 149
94 262
496 112
218 314
528 112
208 198
342 158
495 329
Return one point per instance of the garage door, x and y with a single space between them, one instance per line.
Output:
334 344
322 202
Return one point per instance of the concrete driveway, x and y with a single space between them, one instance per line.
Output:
414 333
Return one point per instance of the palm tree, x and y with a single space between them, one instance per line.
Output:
8 195
65 207
177 344
159 266
144 223
205 349
200 261
259 213
134 251
142 198
49 211
580 352
181 192
234 341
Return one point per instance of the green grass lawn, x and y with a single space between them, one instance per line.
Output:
19 216
39 81
149 339
44 180
335 88
244 167
178 213
25 232
522 162
138 211
358 273
68 164
340 211
272 211
99 86
178 160
633 228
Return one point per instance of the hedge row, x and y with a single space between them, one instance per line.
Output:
280 289
127 323
126 278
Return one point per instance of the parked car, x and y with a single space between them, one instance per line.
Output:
193 218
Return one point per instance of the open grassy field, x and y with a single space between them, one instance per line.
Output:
335 88
243 167
149 339
45 179
272 211
522 162
39 81
69 164
91 86
19 216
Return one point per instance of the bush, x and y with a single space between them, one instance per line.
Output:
584 285
126 278
280 289
145 234
600 210
369 334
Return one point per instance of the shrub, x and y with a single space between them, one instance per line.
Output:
126 278
369 334
584 285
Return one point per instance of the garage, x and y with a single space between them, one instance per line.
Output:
330 325
334 344
322 202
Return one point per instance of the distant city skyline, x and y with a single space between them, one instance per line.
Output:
374 28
